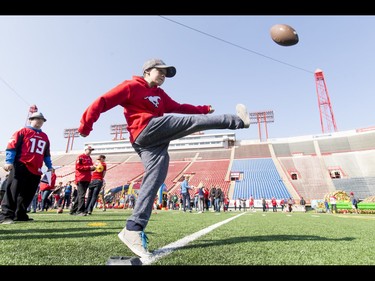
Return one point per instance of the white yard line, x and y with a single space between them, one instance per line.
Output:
166 250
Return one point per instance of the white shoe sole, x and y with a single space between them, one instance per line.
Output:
243 114
130 246
7 222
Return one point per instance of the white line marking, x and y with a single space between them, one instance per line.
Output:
166 250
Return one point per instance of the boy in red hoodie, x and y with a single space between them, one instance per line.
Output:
150 132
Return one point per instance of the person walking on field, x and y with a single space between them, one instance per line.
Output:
251 203
185 188
150 132
67 195
332 200
26 151
302 202
46 188
354 202
84 166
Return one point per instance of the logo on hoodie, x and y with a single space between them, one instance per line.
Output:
154 100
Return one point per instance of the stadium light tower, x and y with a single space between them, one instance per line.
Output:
118 130
327 118
70 134
32 109
262 117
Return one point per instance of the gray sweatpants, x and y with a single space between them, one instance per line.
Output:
152 146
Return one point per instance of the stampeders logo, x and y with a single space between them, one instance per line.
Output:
154 100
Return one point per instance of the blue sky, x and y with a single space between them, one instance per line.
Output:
62 63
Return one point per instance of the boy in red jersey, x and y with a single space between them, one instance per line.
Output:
150 133
84 166
26 151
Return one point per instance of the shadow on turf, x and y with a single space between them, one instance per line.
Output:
264 238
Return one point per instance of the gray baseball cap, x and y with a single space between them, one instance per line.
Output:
158 63
37 115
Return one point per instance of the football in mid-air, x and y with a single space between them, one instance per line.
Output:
284 35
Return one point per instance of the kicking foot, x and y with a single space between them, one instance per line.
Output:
243 114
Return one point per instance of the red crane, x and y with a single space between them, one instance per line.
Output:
327 118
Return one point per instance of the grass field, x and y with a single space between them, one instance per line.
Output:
231 238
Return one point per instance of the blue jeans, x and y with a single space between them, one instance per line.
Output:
217 204
186 200
34 202
45 201
94 188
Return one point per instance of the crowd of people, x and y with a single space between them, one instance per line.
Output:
200 198
51 196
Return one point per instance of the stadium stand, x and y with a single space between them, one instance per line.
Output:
252 151
308 166
260 179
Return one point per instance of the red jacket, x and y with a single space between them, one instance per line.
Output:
274 202
140 103
251 201
45 186
83 168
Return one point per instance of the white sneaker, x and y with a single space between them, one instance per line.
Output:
7 221
136 241
243 114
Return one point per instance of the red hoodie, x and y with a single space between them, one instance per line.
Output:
140 103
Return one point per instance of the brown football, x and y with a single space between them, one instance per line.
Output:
284 35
